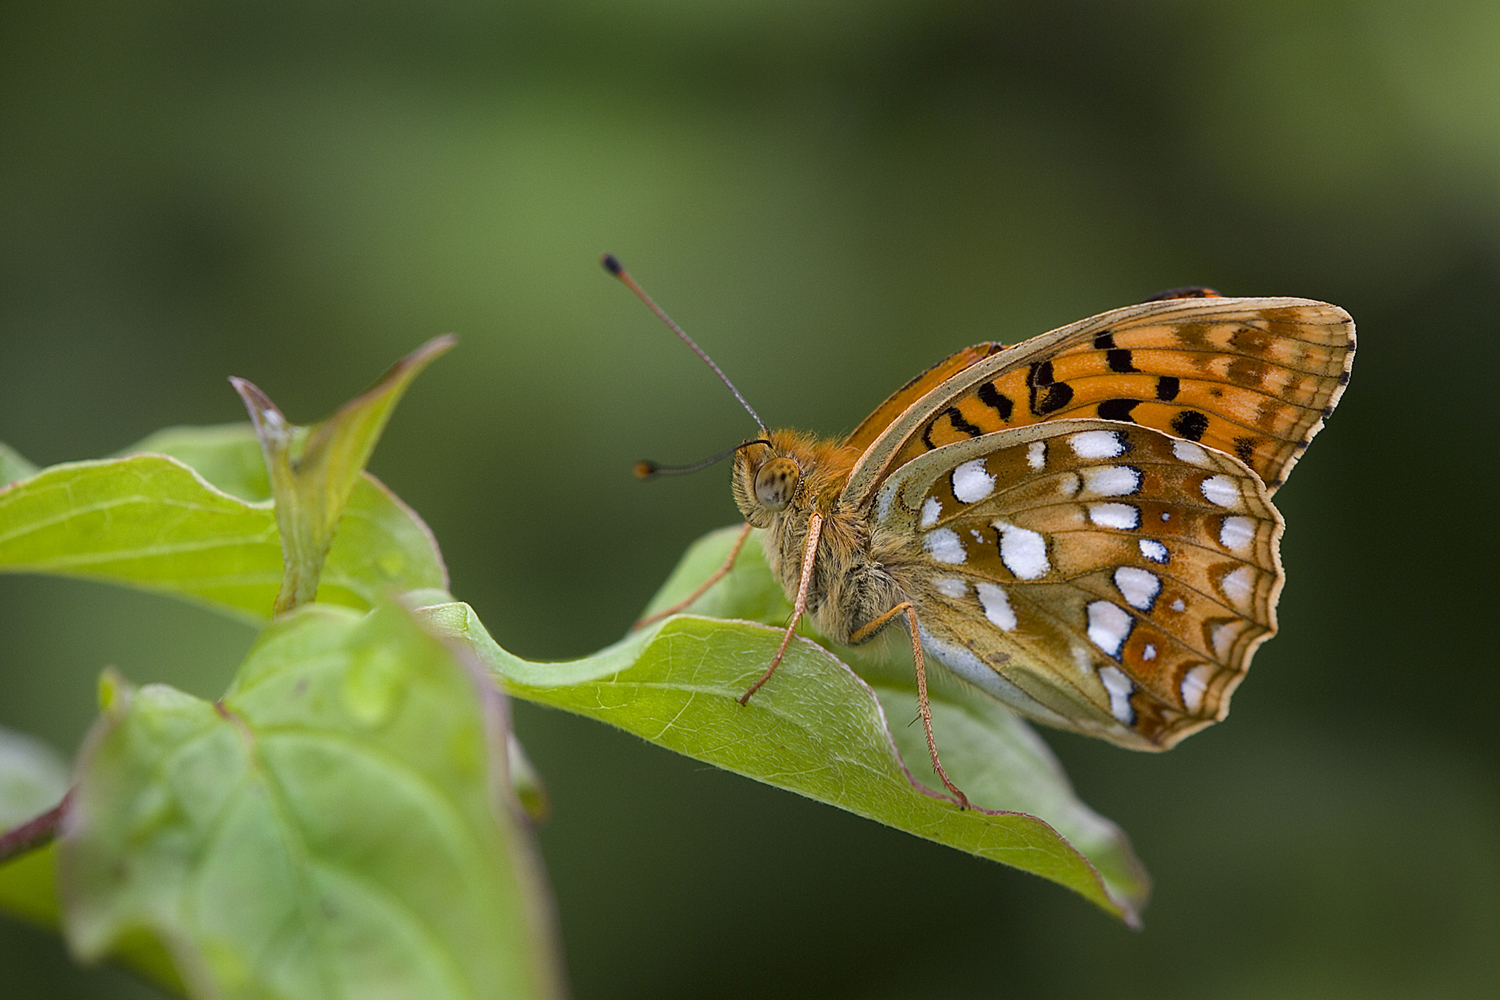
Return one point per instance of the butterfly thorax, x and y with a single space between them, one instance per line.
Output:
778 487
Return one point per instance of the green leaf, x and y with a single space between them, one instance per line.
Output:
227 455
1002 759
313 470
338 825
820 730
151 521
28 889
33 779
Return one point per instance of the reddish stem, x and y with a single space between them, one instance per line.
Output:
33 833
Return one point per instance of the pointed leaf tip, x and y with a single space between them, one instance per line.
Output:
264 414
313 470
822 730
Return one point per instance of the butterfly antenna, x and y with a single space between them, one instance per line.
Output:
646 468
613 266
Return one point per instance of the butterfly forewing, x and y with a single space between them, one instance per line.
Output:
1250 377
1102 577
872 426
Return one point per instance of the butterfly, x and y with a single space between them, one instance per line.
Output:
1079 525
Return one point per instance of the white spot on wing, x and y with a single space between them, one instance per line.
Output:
1120 688
996 604
971 483
1188 452
1023 551
1125 516
951 586
1238 585
1222 638
1109 625
1149 653
1155 551
1069 485
1036 455
1112 480
1097 444
932 509
1177 605
945 547
1195 686
1221 491
1139 587
1237 533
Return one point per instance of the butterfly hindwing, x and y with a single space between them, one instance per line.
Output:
1100 576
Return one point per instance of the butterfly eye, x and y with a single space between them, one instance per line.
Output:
775 483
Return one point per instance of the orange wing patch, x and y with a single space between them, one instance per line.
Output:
872 426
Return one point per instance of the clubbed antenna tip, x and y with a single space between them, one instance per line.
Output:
646 468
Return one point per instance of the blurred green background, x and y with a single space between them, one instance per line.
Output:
830 197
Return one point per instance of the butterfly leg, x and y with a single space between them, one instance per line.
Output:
703 588
809 554
924 707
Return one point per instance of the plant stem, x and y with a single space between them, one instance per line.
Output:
33 833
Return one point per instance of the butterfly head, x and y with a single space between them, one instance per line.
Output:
788 471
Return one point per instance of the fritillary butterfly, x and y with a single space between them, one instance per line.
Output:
1080 524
